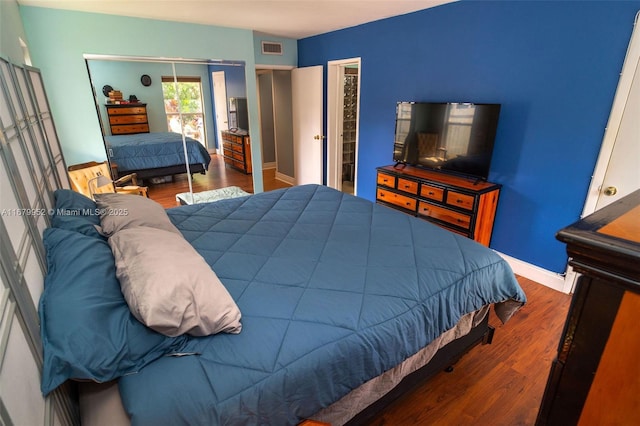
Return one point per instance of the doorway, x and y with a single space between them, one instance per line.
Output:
276 121
343 112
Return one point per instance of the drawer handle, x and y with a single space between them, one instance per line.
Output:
431 193
381 195
406 187
408 203
459 201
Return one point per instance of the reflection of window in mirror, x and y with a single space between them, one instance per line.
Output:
184 97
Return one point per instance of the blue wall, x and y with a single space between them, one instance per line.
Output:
553 66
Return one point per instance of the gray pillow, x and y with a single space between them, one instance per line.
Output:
122 211
169 287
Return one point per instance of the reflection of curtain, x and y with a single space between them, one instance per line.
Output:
458 136
427 144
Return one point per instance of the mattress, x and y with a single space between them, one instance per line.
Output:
143 151
334 290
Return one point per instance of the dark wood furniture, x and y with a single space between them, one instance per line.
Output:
126 119
236 149
459 204
595 378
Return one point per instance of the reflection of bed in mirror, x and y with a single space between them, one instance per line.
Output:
156 154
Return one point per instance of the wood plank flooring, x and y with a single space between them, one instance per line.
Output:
497 384
218 176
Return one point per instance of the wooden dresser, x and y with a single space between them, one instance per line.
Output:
459 204
595 379
125 119
236 150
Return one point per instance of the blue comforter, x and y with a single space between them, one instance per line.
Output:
333 290
143 151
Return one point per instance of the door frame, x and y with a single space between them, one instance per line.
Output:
335 107
259 70
629 66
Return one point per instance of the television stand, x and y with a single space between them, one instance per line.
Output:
458 204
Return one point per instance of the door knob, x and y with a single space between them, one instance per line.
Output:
318 137
610 190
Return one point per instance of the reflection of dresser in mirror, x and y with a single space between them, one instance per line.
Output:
125 119
236 149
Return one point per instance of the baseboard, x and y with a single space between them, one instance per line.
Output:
285 178
271 165
535 273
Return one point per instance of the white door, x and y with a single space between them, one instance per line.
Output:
220 102
623 171
617 171
306 87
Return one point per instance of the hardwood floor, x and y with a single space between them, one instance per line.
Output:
218 176
497 384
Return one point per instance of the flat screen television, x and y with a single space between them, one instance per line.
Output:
452 137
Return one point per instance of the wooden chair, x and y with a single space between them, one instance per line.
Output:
84 179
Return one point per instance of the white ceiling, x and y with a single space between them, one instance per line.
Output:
285 18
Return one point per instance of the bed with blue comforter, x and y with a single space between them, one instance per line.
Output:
156 154
334 290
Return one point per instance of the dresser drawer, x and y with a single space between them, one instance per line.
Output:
127 119
409 186
460 200
134 128
397 199
386 180
432 192
236 147
441 213
127 110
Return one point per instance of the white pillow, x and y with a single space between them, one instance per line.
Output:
169 287
122 211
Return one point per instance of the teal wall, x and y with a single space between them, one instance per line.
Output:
59 38
289 51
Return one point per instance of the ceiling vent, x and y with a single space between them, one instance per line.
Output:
271 48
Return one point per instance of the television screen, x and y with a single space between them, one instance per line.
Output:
452 137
